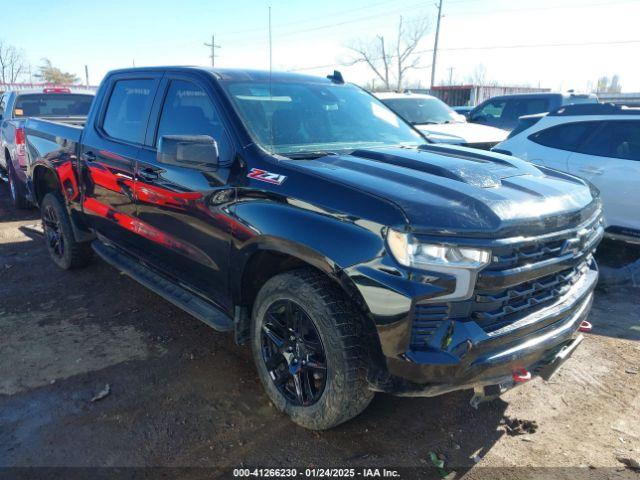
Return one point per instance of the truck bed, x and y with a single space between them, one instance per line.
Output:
68 128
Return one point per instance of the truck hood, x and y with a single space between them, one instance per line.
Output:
447 189
462 133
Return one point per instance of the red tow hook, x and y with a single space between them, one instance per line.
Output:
585 326
521 375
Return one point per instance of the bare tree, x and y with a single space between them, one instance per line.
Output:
401 56
12 63
375 55
406 44
479 76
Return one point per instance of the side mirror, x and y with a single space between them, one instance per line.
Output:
188 151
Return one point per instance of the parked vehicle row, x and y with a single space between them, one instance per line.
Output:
15 107
597 142
439 123
308 218
505 110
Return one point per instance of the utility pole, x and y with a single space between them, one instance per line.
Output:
86 74
451 69
435 46
213 50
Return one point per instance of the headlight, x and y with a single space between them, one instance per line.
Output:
461 262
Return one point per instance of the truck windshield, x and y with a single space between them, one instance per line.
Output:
423 111
52 105
291 117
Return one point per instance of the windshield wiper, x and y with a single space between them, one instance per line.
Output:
310 155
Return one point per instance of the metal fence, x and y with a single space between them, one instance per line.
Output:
472 95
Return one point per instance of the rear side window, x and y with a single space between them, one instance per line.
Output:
128 110
531 106
52 105
566 136
617 139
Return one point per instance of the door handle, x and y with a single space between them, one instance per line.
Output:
89 156
150 174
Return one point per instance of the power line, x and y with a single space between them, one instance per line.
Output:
532 9
313 19
494 47
335 24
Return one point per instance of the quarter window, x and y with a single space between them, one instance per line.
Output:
128 110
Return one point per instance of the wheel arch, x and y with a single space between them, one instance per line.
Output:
274 256
45 180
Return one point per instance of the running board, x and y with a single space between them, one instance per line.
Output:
179 296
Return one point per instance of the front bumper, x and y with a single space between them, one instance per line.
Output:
538 343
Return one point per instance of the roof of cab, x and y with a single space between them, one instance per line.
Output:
389 95
232 74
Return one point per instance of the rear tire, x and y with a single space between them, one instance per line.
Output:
63 249
327 355
16 190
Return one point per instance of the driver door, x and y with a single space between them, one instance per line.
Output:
181 209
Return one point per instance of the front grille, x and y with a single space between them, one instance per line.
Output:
493 308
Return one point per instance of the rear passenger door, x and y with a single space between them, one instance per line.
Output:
518 107
183 208
610 159
552 146
109 150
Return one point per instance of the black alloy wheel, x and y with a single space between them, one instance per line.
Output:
53 231
293 353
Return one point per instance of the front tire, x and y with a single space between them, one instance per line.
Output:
63 249
309 351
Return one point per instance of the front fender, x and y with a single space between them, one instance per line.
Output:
329 242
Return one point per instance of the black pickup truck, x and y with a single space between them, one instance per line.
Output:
304 216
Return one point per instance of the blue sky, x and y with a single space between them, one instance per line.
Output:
111 34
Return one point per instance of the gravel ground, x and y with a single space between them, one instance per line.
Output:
182 395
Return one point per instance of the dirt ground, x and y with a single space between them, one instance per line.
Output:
182 395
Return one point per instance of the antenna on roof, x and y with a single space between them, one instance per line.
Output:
270 76
336 77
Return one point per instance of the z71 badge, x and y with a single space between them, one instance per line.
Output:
264 176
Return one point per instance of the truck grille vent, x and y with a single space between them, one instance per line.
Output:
494 310
426 320
576 244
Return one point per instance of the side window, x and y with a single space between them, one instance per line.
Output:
492 109
617 139
188 110
128 110
564 137
531 106
3 104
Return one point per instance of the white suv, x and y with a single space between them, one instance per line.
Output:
600 143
